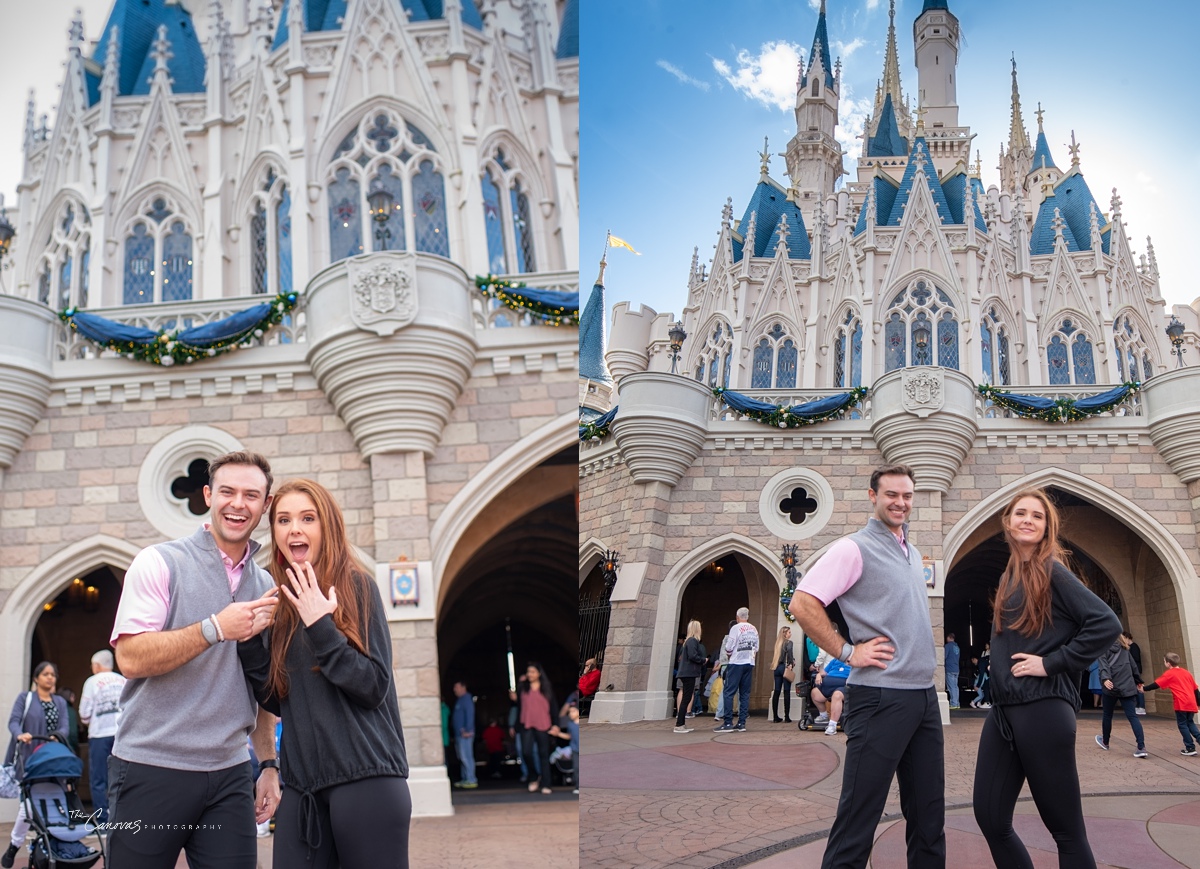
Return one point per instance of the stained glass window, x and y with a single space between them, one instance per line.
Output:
786 376
429 211
1121 364
497 259
894 350
522 230
712 372
345 222
1002 345
85 262
283 241
985 348
1056 360
839 359
856 356
258 250
760 374
1147 368
725 372
948 341
64 284
922 337
177 264
139 275
1081 353
382 133
700 372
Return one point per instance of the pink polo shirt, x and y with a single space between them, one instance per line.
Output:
837 570
146 594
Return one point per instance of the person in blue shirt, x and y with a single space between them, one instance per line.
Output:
952 658
462 726
830 687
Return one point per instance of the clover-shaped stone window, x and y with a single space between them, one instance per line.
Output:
799 505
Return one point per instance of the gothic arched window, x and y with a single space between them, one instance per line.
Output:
386 153
271 236
715 357
1133 357
994 349
760 377
62 278
847 352
158 256
508 219
139 272
283 241
925 314
258 249
785 377
1070 364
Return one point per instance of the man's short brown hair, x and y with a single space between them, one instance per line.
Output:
891 471
241 457
1173 659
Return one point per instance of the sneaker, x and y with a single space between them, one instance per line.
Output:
831 728
264 829
723 728
684 729
1141 752
823 718
1100 742
9 856
956 707
985 705
690 715
741 728
1188 752
468 785
1140 711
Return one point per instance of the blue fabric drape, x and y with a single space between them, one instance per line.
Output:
223 330
102 331
813 409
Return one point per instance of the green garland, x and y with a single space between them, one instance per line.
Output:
168 349
1060 409
785 601
784 417
589 431
552 315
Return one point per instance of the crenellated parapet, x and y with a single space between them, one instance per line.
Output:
629 340
662 425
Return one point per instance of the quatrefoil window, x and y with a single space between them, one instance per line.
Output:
799 505
191 487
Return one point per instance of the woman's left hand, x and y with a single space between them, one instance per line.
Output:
308 599
1027 665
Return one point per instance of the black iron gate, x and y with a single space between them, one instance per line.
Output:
594 613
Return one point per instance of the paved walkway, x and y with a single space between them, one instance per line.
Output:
487 831
766 798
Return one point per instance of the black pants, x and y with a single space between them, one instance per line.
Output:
539 741
892 732
784 687
688 687
157 812
1042 751
358 825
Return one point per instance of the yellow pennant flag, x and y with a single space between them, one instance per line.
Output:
613 241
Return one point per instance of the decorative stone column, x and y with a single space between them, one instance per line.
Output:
662 424
1172 406
924 417
26 347
392 344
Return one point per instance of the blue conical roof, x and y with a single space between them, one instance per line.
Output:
591 338
1041 240
820 47
905 191
935 4
1041 153
137 23
568 34
768 203
887 141
1075 202
330 14
954 186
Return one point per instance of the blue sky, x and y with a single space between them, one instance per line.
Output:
677 97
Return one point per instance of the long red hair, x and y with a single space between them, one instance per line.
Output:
336 566
1032 577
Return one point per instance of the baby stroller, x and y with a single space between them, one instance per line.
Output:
56 815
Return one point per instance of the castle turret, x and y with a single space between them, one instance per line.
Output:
935 36
814 157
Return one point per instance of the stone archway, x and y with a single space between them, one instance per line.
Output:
1151 576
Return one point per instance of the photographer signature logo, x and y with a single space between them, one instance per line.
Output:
134 827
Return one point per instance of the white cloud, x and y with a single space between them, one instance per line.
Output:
844 50
852 118
815 5
768 77
683 76
872 4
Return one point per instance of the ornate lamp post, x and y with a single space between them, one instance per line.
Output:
1175 333
608 570
788 558
380 202
677 336
922 332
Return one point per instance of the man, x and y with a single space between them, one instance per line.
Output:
741 645
830 687
180 774
952 669
462 725
876 576
100 709
1135 652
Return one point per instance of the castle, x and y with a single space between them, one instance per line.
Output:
352 165
911 279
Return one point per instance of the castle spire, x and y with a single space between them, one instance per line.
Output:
820 52
161 52
1018 139
890 84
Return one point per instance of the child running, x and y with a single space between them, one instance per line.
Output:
1183 690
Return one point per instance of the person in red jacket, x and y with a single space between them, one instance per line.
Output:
1182 686
590 680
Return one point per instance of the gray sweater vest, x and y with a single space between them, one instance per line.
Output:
198 716
889 600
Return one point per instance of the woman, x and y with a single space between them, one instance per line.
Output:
1120 677
535 700
783 659
1094 686
36 712
326 667
1045 628
691 668
983 680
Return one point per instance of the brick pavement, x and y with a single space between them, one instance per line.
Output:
651 798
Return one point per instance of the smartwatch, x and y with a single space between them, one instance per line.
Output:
210 631
269 763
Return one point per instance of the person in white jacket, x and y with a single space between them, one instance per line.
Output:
100 710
